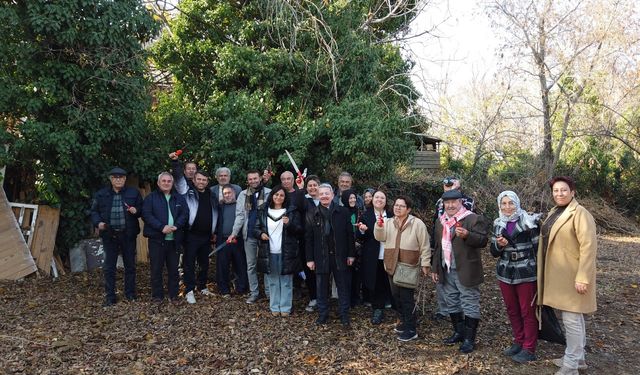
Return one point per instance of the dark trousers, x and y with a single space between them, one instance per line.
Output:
381 293
163 254
231 253
197 248
119 243
356 284
343 283
405 305
309 276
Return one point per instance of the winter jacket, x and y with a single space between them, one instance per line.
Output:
413 247
290 259
155 214
317 248
101 209
244 218
467 252
517 260
370 248
570 258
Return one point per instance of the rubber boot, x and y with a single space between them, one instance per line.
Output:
458 329
470 329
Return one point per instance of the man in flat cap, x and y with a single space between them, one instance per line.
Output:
115 210
456 264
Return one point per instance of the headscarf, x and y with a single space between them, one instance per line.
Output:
344 198
529 221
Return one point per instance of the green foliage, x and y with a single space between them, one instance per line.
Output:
73 96
256 82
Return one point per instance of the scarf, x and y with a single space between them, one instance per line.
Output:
448 223
248 203
527 221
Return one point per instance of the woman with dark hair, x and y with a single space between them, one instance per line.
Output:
374 276
367 196
313 182
277 227
515 242
349 200
567 269
405 239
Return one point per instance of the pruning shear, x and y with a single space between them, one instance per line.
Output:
295 166
222 245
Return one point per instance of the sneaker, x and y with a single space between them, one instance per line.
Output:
191 299
524 356
252 299
156 300
311 306
377 317
226 296
512 350
206 292
582 365
567 371
408 335
399 328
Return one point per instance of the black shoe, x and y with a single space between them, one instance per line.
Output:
512 350
408 335
438 316
470 329
157 300
377 317
322 320
458 329
346 322
108 303
132 298
524 356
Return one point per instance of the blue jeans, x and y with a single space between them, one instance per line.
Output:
280 286
163 253
113 245
197 247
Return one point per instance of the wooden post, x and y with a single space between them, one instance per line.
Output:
44 239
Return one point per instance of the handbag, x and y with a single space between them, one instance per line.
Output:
406 275
550 328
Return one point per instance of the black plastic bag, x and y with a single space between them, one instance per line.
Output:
551 330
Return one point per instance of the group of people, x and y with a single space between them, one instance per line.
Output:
350 245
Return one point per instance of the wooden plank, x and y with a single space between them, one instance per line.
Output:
44 237
15 258
142 246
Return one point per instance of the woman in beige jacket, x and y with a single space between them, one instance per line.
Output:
405 239
567 269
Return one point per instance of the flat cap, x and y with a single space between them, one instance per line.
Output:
117 171
451 194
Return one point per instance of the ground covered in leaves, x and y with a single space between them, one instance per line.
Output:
59 327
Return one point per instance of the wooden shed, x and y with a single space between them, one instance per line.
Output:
427 153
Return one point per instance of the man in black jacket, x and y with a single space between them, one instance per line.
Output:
165 214
115 211
330 249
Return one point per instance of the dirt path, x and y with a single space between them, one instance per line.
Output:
60 328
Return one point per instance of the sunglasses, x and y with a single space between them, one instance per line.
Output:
449 181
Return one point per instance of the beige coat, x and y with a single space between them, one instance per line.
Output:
413 247
570 258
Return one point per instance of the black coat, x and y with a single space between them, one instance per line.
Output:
156 215
290 259
317 247
101 209
370 248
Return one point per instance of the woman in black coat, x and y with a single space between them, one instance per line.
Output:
277 229
374 276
